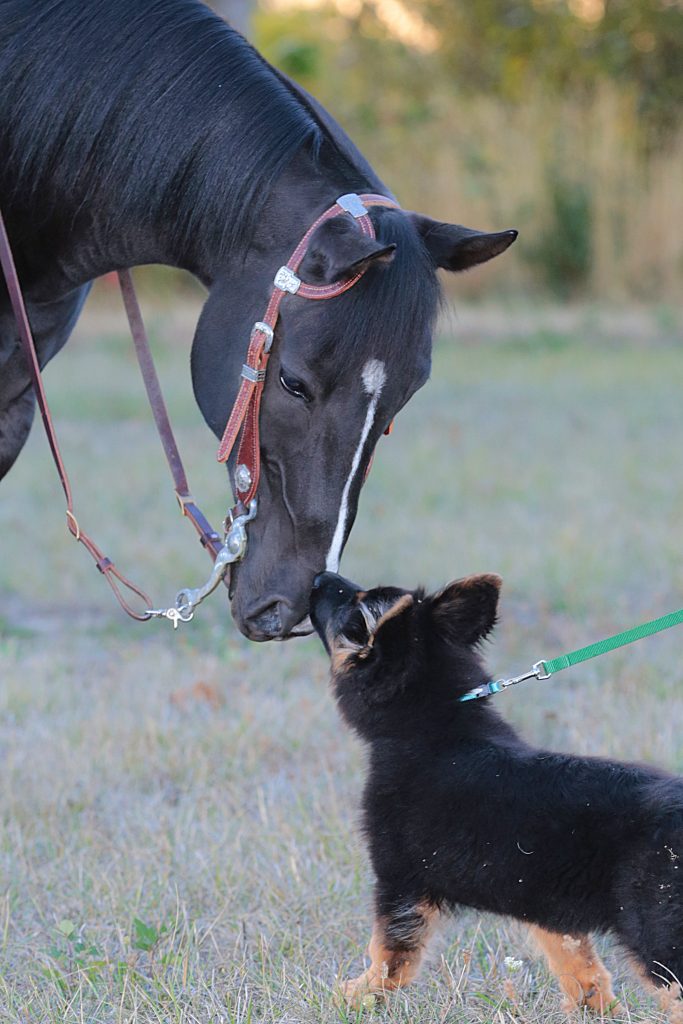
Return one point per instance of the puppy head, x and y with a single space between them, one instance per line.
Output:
396 651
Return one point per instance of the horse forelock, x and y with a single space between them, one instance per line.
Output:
390 313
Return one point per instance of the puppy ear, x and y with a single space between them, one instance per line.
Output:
388 652
388 621
465 610
389 628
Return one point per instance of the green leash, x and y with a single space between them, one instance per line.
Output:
545 669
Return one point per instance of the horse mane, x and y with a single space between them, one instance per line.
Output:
148 138
151 141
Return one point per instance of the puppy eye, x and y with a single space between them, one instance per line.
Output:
355 628
294 387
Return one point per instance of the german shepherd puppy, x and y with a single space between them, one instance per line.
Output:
460 811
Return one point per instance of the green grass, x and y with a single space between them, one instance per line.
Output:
166 859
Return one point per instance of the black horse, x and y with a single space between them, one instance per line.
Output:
151 132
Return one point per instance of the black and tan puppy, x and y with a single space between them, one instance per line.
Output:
460 811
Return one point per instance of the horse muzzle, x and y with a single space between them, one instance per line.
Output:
273 619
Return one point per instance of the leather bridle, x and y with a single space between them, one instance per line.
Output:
244 416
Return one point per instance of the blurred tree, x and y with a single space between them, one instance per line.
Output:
504 46
565 114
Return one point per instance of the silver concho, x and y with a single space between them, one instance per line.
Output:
242 478
287 281
353 204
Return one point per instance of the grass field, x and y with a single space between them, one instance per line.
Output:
178 810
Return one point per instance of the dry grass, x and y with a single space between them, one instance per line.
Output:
204 788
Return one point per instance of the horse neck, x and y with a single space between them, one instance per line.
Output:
304 190
108 236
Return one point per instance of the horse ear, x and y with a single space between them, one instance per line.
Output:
465 611
338 250
454 247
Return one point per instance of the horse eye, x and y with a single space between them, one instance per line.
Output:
294 387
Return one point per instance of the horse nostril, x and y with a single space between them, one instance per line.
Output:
267 622
275 620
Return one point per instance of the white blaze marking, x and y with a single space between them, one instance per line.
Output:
373 377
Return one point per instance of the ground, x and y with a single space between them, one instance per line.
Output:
179 809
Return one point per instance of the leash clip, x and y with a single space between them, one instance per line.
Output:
537 671
174 615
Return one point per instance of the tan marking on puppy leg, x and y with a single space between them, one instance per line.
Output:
669 997
583 977
391 968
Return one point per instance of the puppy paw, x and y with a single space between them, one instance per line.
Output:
605 1003
357 994
602 1001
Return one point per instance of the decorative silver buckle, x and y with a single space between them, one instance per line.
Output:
255 376
264 329
287 281
352 204
242 479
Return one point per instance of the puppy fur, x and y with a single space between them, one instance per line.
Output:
459 811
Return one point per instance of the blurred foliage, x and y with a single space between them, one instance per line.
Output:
504 47
563 116
563 252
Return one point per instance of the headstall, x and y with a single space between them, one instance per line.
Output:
244 416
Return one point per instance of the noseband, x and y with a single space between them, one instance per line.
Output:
244 416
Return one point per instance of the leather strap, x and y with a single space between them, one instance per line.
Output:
189 508
114 578
207 535
245 412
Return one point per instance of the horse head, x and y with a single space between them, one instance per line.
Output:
339 372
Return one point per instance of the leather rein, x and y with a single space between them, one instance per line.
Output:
244 417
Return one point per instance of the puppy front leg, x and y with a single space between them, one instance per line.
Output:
398 941
583 977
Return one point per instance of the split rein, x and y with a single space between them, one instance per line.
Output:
243 419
